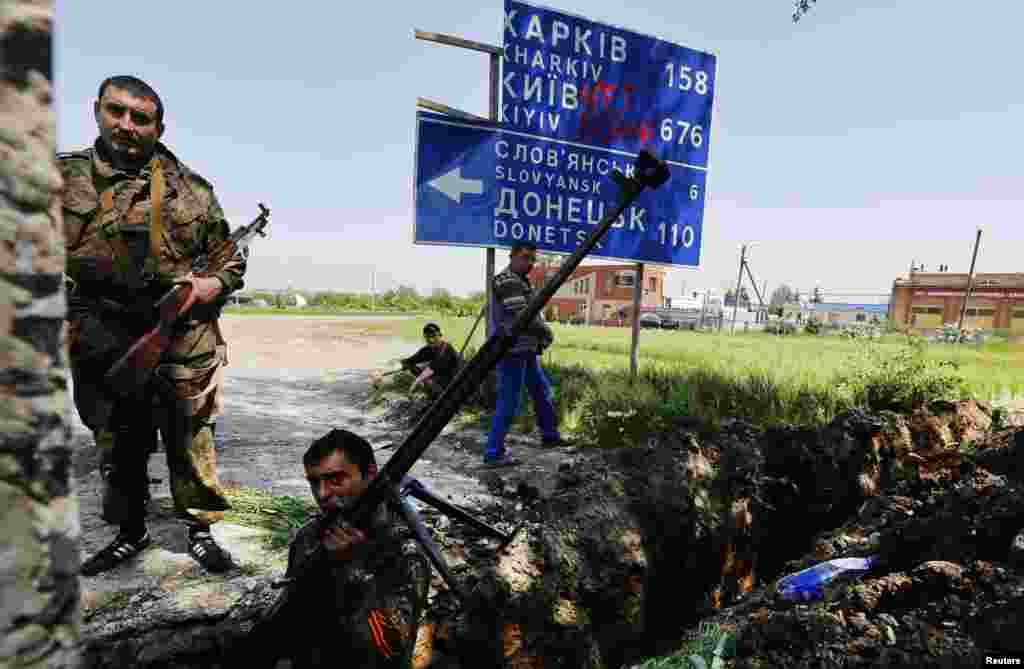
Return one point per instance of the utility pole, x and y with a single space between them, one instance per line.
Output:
739 281
764 292
970 280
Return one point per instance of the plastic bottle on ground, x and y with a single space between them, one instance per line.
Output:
808 584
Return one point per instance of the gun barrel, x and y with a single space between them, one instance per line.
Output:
649 173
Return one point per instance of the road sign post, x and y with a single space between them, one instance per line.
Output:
494 95
483 185
638 293
572 100
570 78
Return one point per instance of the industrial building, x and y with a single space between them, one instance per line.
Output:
928 300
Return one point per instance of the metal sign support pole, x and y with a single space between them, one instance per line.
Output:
638 287
489 262
495 54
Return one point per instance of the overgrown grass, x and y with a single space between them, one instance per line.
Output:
758 377
280 515
712 647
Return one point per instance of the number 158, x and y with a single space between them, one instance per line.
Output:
687 78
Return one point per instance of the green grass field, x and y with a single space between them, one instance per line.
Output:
793 360
760 377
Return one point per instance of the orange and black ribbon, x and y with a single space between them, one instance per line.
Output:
378 626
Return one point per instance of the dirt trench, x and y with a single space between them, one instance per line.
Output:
619 552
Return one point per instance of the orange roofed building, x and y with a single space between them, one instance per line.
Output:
600 294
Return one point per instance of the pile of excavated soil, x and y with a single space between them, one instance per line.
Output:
949 590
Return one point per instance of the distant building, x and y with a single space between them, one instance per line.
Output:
685 302
845 313
600 294
928 300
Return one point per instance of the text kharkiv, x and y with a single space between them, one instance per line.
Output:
569 78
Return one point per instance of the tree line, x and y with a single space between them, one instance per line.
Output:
400 299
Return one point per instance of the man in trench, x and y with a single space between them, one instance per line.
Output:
361 604
129 201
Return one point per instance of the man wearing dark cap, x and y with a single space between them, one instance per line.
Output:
436 364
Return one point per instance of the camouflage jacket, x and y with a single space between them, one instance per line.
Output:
192 221
360 613
510 295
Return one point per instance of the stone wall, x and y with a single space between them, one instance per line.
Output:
39 590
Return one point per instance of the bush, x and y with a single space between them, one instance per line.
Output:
813 326
901 380
618 410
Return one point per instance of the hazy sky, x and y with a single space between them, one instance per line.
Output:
846 145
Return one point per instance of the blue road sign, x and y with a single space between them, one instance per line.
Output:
478 184
571 78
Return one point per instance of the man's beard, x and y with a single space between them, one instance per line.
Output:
121 156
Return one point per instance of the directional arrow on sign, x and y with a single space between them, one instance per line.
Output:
454 186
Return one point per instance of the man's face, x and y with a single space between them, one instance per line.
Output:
523 261
335 479
127 124
434 340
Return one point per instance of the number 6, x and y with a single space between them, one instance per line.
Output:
666 130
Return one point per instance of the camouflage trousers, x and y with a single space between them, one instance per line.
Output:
181 405
124 459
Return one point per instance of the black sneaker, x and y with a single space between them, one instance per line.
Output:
120 550
208 552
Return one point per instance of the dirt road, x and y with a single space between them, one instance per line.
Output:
290 380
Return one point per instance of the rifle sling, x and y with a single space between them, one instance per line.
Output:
122 255
156 228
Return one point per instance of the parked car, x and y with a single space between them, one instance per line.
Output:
650 321
670 323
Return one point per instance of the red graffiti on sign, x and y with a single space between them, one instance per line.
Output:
603 118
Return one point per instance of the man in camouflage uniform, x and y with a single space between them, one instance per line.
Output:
362 604
130 200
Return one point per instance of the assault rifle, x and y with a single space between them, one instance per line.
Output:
129 375
385 487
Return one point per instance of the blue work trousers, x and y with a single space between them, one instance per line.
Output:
512 371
